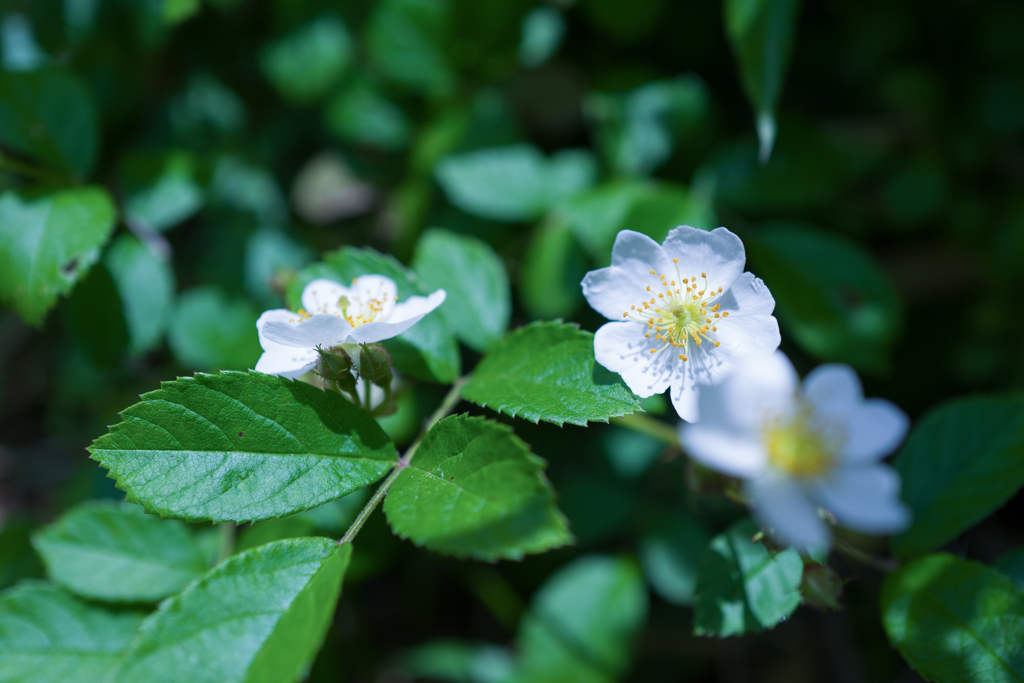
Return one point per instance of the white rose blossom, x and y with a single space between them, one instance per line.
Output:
685 313
333 314
800 447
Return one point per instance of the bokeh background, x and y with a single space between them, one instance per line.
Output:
242 139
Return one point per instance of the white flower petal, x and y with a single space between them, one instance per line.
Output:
321 296
405 315
378 288
783 505
865 499
705 366
287 361
611 291
685 398
762 387
731 453
322 329
622 348
833 389
873 430
718 253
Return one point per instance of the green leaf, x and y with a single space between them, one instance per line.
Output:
48 114
542 31
669 555
830 293
962 461
406 40
213 331
956 621
1012 564
362 115
47 244
547 371
304 65
241 446
516 183
244 187
741 587
582 622
475 490
262 533
47 636
427 351
163 191
145 285
257 618
761 33
479 303
549 281
637 132
106 551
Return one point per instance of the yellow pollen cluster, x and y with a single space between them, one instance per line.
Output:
357 311
800 446
682 313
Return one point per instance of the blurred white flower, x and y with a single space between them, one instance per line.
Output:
333 314
685 313
800 447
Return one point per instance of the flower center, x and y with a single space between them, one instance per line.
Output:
801 447
679 311
358 306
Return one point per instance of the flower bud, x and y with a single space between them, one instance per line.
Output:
375 364
335 365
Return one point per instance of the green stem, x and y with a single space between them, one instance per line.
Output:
28 170
227 541
855 553
448 404
649 426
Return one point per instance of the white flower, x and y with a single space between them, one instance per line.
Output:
331 315
685 311
801 447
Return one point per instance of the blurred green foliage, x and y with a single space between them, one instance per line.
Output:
240 140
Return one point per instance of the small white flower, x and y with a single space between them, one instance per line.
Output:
686 313
331 315
801 447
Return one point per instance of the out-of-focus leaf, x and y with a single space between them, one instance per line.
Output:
213 331
955 621
362 115
630 453
554 266
669 555
830 294
761 33
17 558
177 11
1012 564
516 183
268 252
21 52
105 551
475 490
638 131
241 446
259 617
541 34
307 63
406 40
48 114
206 104
164 191
248 188
458 662
47 244
741 587
961 462
94 317
427 350
325 190
47 636
145 284
582 622
479 302
547 371
597 215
